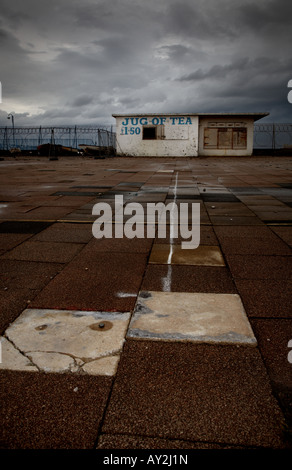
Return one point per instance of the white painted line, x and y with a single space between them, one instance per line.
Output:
167 279
125 294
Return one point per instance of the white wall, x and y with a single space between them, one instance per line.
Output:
220 122
179 135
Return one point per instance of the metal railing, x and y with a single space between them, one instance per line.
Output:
273 136
30 138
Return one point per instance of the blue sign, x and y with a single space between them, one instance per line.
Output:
131 126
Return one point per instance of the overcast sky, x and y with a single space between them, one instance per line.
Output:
77 62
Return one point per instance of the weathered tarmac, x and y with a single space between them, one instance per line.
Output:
114 344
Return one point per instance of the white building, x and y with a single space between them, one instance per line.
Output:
185 135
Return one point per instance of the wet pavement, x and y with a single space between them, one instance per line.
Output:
120 343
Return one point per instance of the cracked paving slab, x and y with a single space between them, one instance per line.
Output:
196 317
65 341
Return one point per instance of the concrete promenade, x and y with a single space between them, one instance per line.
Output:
137 343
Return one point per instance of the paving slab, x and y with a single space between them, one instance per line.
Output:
273 335
234 220
51 411
203 255
255 246
285 233
20 282
244 231
260 266
45 213
66 341
269 201
66 233
17 274
9 240
202 393
198 317
218 197
121 245
100 281
266 298
13 359
18 226
277 207
184 278
207 236
12 303
77 217
228 209
275 216
63 201
50 252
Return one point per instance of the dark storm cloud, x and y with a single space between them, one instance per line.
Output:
244 68
227 19
17 70
93 15
259 84
216 71
263 16
10 45
79 62
200 19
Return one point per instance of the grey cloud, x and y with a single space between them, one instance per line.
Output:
115 50
202 20
16 65
69 58
174 52
263 15
97 15
59 116
82 100
11 17
216 71
243 67
81 61
136 22
129 101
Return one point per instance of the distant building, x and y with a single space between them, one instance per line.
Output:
185 135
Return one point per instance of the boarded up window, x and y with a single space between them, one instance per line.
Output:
210 138
239 138
225 138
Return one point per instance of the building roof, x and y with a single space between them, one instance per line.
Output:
255 116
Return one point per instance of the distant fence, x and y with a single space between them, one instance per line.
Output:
273 136
71 137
